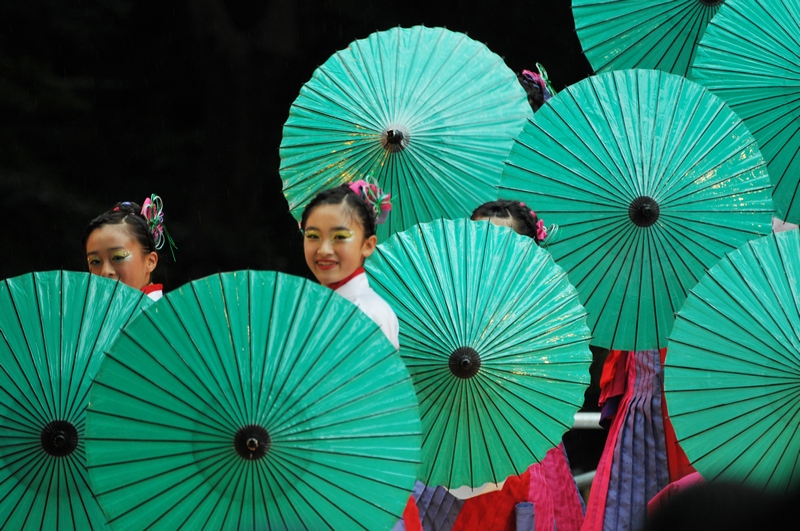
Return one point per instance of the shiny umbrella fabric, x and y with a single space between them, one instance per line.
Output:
625 34
750 57
429 113
54 327
495 340
733 367
651 179
253 400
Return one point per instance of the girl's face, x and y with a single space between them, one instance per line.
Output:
334 243
113 252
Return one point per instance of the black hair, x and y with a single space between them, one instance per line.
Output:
130 214
533 90
337 196
524 220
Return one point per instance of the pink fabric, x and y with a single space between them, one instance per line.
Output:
548 485
671 490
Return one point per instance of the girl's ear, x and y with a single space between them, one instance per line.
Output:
368 247
151 261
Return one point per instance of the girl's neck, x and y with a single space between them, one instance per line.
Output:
338 284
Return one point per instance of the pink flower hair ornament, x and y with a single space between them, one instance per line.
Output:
377 200
152 212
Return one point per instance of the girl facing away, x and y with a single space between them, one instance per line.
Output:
338 228
123 244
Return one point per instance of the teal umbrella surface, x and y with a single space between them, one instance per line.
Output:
253 400
54 327
429 113
496 343
732 371
651 180
750 57
625 34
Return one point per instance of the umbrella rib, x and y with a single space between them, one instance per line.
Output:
233 407
45 409
228 418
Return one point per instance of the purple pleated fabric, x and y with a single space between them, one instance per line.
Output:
637 451
438 508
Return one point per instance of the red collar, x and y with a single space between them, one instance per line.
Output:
340 283
150 288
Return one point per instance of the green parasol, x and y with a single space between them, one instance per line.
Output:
750 57
428 112
651 179
496 343
54 327
732 371
624 34
253 400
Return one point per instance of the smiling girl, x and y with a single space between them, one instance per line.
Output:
123 244
338 235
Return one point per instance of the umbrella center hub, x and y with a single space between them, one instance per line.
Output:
712 3
465 362
251 442
644 211
395 138
59 438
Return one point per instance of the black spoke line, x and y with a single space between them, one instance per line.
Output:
753 427
742 276
212 424
317 421
254 379
287 398
323 481
513 386
532 308
31 474
79 499
216 450
31 414
207 317
211 413
323 415
50 397
711 330
43 411
524 274
786 257
231 306
403 286
278 406
77 406
438 407
225 414
790 336
179 474
269 379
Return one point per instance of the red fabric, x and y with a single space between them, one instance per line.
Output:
677 461
595 508
411 517
150 288
548 485
613 377
671 490
339 284
495 510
